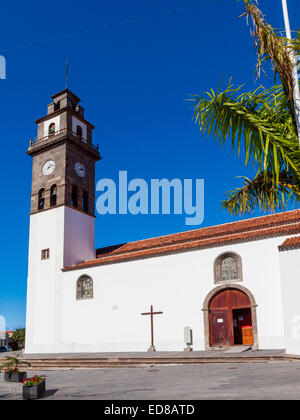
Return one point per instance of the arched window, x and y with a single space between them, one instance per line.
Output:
41 199
74 201
84 288
53 195
228 267
85 201
79 131
51 130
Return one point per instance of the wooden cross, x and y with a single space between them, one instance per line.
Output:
151 313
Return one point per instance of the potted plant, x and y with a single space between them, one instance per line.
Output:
34 388
11 369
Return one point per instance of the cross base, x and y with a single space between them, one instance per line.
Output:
151 348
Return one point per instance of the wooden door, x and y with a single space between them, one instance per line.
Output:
222 308
219 328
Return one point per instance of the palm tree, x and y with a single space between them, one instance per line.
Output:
262 122
19 337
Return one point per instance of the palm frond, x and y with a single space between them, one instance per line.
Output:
262 123
260 119
275 48
262 193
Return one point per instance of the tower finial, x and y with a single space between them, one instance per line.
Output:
67 70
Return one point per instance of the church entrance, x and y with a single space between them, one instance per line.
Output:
230 319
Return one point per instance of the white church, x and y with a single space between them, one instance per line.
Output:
231 284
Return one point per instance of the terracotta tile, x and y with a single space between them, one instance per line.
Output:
259 228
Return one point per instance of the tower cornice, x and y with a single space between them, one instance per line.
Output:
63 136
61 111
67 91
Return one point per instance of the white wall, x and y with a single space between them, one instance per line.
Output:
175 284
56 121
46 231
62 230
290 275
79 239
75 122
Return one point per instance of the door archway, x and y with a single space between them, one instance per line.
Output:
228 310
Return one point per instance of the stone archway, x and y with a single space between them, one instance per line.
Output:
206 311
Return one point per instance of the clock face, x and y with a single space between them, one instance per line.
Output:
80 169
48 167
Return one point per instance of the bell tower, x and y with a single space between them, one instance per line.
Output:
62 213
63 158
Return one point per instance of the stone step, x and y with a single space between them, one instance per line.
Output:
238 349
97 363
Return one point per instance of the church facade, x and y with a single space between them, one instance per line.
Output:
232 284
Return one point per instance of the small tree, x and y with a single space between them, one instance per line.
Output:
12 364
19 337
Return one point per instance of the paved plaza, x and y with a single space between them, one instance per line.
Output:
279 380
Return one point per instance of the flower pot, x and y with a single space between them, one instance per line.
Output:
14 376
34 392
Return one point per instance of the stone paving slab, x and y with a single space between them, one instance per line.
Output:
264 381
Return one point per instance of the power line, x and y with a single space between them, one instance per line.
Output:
106 26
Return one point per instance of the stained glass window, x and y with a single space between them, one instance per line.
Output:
229 269
84 288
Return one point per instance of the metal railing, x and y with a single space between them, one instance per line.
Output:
60 133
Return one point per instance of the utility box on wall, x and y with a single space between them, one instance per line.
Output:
188 338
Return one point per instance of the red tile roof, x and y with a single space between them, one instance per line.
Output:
279 224
290 243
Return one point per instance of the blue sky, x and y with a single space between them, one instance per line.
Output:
134 78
